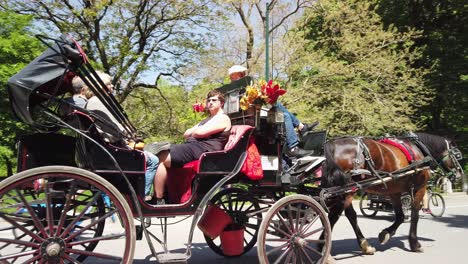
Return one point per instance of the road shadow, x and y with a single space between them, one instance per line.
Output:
349 248
458 221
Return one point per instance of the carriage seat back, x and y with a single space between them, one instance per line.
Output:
179 180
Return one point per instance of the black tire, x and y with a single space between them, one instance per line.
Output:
291 231
241 206
436 204
63 218
364 206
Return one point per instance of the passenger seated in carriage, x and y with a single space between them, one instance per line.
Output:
291 122
211 134
95 105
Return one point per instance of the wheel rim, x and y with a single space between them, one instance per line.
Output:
295 230
61 220
244 210
364 206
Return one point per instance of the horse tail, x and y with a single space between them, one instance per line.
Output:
333 175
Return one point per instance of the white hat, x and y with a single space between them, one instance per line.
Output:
237 68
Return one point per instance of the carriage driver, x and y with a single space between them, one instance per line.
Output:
237 72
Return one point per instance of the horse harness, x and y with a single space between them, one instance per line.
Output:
363 150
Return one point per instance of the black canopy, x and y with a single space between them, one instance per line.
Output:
42 74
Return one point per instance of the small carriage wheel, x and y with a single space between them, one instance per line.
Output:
364 205
291 232
244 210
59 214
436 204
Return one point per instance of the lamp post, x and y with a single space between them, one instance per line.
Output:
267 42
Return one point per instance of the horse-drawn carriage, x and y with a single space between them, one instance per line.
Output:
75 192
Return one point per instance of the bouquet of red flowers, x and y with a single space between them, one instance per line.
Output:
261 93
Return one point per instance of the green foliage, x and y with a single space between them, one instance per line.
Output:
18 47
164 114
354 75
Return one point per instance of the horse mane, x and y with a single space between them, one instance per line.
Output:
435 144
333 175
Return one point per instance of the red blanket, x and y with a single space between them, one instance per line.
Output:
399 146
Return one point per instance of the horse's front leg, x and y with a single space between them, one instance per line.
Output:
335 209
415 207
388 232
366 248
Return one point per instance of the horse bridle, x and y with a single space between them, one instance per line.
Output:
455 155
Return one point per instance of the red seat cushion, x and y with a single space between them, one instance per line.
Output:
179 180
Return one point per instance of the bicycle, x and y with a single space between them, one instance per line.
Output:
370 204
435 202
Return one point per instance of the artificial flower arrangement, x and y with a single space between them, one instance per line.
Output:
261 93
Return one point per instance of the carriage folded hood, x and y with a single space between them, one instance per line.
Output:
41 74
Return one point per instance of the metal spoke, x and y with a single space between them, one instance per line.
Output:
279 230
88 205
33 259
33 215
96 239
90 225
66 256
287 252
25 230
314 232
277 248
313 250
20 242
311 223
66 208
306 255
20 254
49 216
93 254
290 218
283 222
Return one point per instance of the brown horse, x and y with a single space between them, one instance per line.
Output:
353 159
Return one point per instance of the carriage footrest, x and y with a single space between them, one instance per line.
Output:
172 258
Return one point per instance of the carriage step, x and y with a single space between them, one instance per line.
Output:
172 258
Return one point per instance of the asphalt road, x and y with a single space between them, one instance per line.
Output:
444 240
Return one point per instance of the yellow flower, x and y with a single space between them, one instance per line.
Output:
244 104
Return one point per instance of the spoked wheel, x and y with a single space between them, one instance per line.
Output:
436 204
295 230
365 206
244 210
61 214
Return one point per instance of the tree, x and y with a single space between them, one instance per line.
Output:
352 73
130 39
17 48
241 40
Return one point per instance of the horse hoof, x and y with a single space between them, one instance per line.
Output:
366 248
330 260
417 248
384 237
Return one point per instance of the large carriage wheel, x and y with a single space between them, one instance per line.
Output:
244 210
61 214
364 206
291 232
